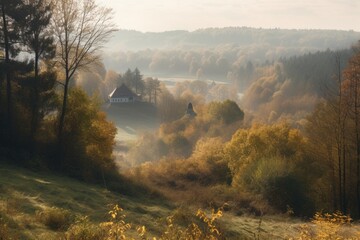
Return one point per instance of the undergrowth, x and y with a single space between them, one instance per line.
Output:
118 228
328 226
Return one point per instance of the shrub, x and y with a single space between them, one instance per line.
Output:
55 218
4 231
203 227
328 226
83 229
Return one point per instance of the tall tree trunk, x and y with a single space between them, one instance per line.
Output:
344 200
35 106
63 112
155 96
66 88
333 178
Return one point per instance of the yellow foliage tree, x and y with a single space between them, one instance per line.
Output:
88 137
269 160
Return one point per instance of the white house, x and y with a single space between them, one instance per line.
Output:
122 94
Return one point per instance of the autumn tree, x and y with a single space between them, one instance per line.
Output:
227 111
81 28
268 160
89 138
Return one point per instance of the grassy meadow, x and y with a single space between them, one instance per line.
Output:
36 205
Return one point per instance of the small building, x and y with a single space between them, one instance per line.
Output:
190 111
123 94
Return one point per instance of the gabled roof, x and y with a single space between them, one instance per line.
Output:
121 92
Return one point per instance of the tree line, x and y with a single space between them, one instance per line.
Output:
44 44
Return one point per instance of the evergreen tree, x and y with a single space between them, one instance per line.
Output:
40 43
10 14
138 81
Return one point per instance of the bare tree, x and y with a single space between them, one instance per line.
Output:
81 28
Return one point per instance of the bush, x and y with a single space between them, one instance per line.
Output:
328 226
83 229
55 218
4 231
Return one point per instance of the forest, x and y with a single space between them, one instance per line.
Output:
277 133
216 52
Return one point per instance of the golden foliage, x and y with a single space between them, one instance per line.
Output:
117 228
327 226
88 136
261 141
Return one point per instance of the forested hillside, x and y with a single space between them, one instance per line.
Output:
290 88
241 36
216 52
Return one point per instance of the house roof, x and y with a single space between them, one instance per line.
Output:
121 92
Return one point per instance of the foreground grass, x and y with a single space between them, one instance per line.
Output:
23 194
36 205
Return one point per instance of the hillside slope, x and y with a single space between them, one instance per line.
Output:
25 195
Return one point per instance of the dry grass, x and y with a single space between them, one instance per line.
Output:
23 193
32 204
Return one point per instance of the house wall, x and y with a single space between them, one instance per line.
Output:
120 100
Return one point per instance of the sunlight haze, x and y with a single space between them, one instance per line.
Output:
162 15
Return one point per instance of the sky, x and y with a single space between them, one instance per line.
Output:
167 15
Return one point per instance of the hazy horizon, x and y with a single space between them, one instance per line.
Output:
161 15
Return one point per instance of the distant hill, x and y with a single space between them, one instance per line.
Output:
216 53
124 40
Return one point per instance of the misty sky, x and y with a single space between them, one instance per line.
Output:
163 15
